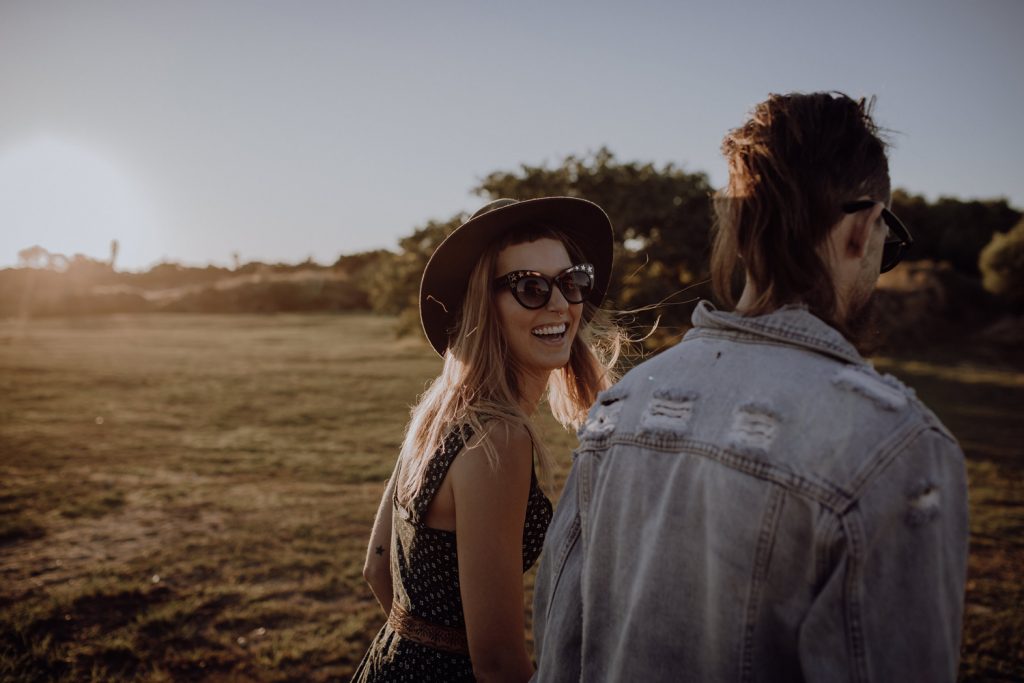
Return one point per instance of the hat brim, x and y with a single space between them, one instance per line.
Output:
443 286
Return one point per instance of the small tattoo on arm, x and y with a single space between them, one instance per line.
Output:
380 550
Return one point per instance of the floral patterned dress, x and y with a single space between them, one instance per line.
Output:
424 638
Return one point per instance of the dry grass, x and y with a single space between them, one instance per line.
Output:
188 497
980 401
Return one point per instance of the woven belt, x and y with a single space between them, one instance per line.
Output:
446 638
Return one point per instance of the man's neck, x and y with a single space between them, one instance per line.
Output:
747 299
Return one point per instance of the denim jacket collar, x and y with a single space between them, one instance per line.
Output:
792 324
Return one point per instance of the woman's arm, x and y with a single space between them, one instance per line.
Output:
377 568
490 509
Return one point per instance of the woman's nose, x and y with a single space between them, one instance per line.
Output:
557 302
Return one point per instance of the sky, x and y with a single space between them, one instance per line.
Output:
193 131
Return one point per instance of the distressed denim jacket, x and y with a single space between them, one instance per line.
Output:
756 504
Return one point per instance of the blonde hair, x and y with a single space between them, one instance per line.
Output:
479 382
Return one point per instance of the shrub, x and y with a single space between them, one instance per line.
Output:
1002 266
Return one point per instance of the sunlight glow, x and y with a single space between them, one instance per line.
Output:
69 199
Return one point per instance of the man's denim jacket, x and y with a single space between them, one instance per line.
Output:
756 504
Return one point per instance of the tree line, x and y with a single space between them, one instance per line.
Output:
663 218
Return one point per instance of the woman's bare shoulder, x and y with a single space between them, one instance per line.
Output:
507 437
512 445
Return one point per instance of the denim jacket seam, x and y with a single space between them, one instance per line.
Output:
772 323
572 538
892 447
739 337
825 493
931 420
762 555
583 494
854 621
825 553
805 342
790 332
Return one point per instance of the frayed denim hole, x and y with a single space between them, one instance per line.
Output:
923 501
675 394
668 413
754 428
601 421
610 396
888 395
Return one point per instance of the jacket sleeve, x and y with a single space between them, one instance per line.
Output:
892 607
557 604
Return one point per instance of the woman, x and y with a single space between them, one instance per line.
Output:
508 300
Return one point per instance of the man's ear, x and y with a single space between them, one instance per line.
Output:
858 234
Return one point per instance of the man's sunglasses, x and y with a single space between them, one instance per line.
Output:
533 290
897 242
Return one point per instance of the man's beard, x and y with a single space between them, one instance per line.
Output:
860 326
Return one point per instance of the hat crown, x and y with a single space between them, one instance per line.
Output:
492 206
445 277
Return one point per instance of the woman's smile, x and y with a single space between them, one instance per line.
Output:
551 334
540 339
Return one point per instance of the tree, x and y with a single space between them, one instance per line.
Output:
360 273
951 229
33 257
1002 266
362 263
662 216
395 281
38 257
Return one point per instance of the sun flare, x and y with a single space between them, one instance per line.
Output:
70 199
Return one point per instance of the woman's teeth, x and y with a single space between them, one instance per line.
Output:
549 330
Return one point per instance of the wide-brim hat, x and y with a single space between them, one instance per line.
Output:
446 276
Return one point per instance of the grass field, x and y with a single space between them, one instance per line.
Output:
188 497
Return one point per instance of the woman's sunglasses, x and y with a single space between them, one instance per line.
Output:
897 242
533 290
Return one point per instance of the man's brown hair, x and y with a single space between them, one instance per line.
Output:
791 167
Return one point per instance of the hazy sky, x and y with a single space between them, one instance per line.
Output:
283 130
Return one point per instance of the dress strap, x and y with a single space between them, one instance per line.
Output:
438 466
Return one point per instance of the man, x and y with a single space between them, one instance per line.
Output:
757 503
